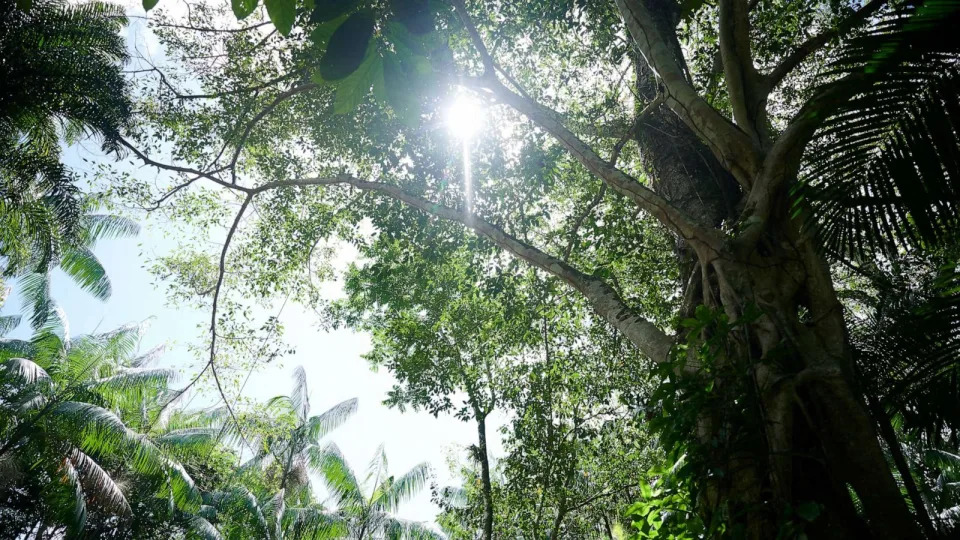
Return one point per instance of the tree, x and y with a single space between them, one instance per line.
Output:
286 450
66 444
441 345
771 156
370 516
60 79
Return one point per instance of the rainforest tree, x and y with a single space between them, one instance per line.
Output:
701 173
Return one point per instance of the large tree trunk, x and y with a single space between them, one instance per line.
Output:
809 438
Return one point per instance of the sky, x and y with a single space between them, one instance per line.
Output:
332 359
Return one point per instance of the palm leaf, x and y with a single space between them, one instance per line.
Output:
25 370
313 523
105 226
37 303
198 528
401 529
8 323
406 487
98 484
339 478
320 425
299 397
884 170
86 271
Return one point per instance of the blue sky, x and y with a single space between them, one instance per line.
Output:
332 359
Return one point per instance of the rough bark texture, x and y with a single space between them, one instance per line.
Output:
813 438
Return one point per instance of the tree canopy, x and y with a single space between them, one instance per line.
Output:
702 256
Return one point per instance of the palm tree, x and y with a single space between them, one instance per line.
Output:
271 517
77 260
60 79
66 445
291 453
370 515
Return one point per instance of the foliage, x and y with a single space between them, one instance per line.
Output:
69 447
60 80
368 505
657 158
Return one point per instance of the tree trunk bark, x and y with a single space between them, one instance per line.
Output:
807 436
485 477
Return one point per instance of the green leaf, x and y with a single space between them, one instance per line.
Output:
147 4
351 91
24 5
347 48
282 14
399 95
243 8
328 10
320 35
85 269
379 84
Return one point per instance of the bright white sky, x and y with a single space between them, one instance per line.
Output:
332 360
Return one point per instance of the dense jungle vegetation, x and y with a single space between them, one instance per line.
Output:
695 264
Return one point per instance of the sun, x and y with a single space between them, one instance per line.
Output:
464 117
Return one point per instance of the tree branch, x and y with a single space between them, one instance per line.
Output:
732 146
816 42
604 299
281 97
647 199
742 78
669 215
175 168
211 363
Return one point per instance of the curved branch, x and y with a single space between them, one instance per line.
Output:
281 97
211 363
624 184
652 341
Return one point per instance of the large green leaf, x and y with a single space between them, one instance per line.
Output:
352 90
328 10
347 48
282 13
243 8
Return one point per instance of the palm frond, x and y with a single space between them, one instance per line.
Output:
71 479
130 385
320 425
406 487
339 478
8 323
37 302
401 529
86 271
884 170
98 484
199 528
313 523
242 498
25 370
188 439
299 397
104 227
148 357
